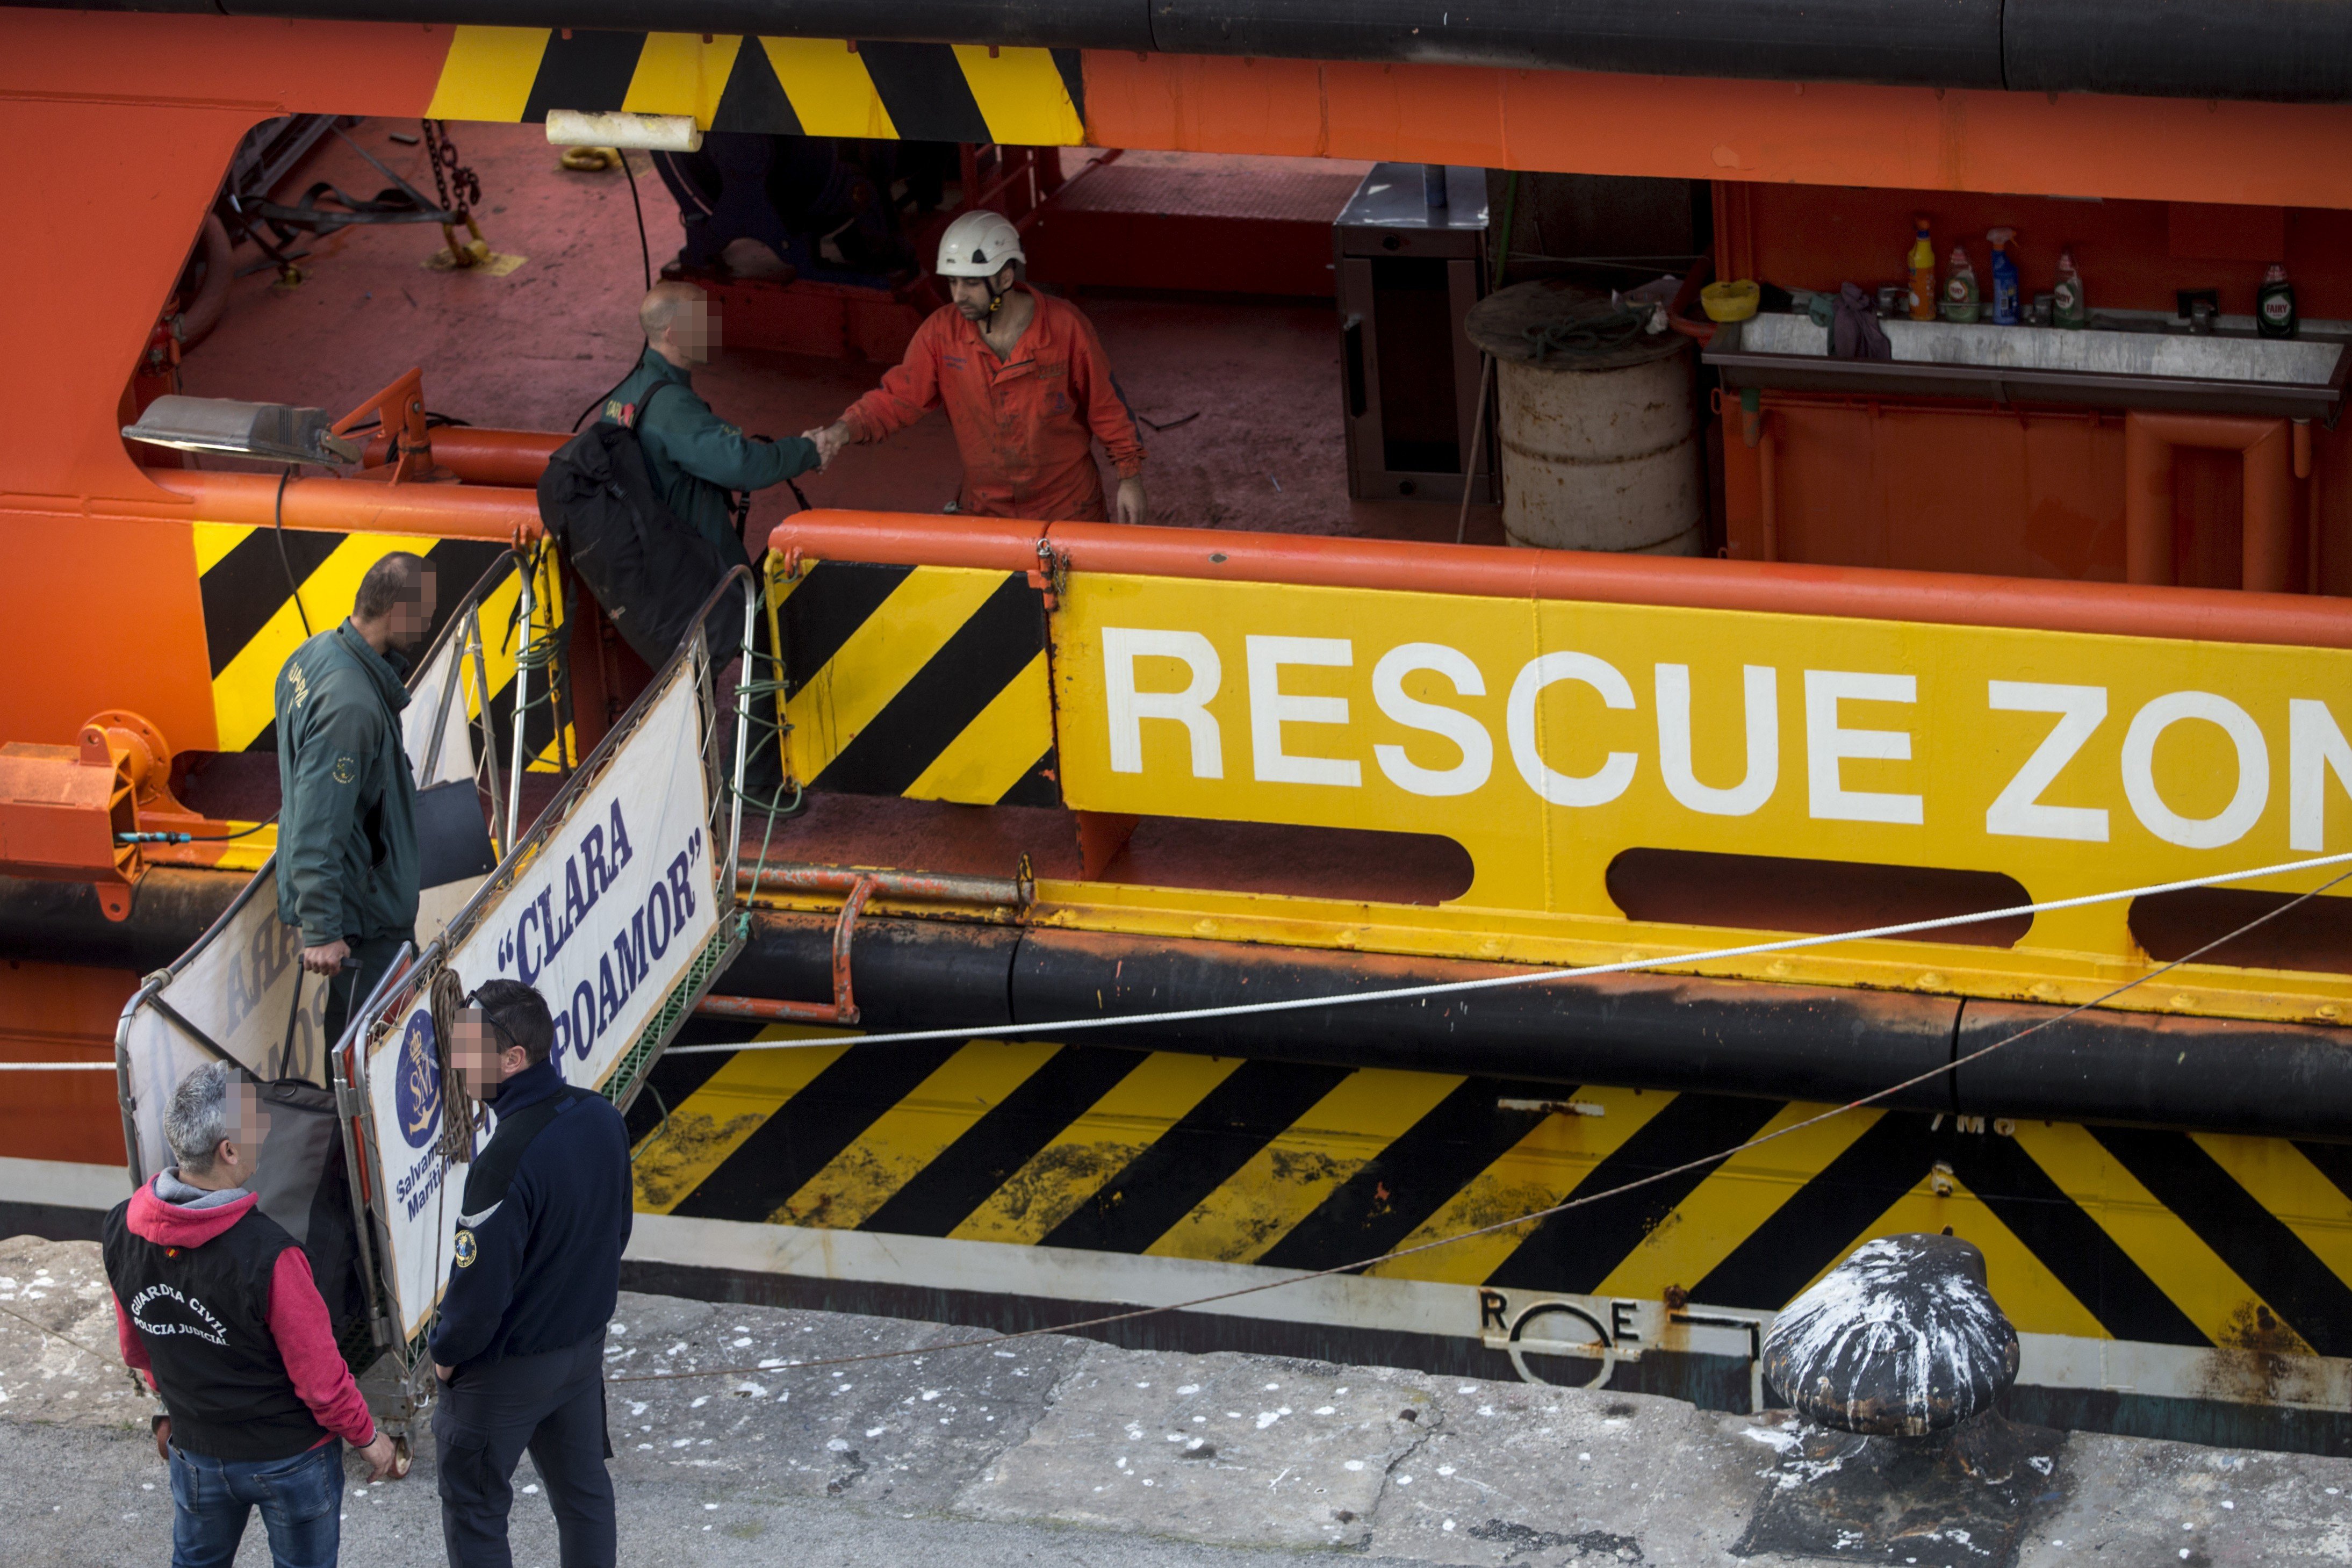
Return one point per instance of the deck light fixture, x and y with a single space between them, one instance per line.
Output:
270 431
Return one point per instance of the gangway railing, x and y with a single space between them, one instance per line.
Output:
618 903
237 993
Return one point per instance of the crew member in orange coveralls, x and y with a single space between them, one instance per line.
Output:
1025 384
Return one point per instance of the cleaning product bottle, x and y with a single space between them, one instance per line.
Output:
2005 311
2070 309
1960 288
1923 273
2274 315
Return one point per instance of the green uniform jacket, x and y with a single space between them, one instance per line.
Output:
347 827
697 458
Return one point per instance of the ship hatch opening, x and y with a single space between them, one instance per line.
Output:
1350 864
1209 278
2315 936
1772 893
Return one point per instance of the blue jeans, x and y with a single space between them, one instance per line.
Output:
301 1498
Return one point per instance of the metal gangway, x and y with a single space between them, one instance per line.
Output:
618 901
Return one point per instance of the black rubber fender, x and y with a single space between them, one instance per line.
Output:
1915 43
2288 51
2296 51
2216 1075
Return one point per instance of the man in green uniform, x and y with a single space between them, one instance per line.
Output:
346 861
697 461
695 457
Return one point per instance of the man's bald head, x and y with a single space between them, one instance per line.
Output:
394 604
680 322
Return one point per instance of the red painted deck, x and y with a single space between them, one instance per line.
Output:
530 350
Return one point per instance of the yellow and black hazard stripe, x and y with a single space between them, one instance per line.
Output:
923 682
2171 1238
813 87
253 621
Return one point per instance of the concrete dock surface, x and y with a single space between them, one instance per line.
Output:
1058 1450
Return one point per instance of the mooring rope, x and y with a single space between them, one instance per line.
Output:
1685 1168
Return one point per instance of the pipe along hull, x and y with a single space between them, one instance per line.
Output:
2193 49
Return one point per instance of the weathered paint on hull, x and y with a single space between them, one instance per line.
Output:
2186 1284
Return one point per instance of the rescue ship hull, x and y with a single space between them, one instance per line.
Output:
1059 774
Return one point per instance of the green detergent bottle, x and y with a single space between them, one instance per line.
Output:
2068 307
1961 302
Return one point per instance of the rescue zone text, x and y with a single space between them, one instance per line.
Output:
1547 736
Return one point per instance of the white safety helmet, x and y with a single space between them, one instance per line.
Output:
978 245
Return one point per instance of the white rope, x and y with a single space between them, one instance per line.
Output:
1532 976
56 1067
1578 1199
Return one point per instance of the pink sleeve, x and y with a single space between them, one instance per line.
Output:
306 1343
134 1349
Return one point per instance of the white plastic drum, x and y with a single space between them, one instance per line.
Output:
1599 439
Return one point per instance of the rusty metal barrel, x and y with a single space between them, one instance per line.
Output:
1598 424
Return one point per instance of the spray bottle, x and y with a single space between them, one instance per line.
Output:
2070 308
1923 273
1961 299
2005 311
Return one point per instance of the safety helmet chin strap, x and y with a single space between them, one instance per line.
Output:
995 295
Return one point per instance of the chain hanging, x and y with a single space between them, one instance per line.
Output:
459 190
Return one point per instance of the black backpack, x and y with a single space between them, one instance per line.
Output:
649 571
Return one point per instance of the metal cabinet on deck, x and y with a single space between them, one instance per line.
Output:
1407 274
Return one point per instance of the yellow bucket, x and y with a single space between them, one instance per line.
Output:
1733 302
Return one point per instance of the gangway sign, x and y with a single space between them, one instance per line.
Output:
617 906
609 904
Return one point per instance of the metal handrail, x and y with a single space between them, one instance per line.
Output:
462 923
462 616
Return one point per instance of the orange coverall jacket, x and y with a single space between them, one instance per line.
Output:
1024 425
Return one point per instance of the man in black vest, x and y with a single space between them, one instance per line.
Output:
214 1302
520 1347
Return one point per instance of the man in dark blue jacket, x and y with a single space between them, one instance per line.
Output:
519 1346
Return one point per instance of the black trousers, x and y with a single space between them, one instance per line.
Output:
552 1404
350 986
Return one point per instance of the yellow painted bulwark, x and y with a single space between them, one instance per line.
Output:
488 74
1550 738
830 87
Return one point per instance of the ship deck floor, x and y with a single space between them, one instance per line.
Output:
1253 380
